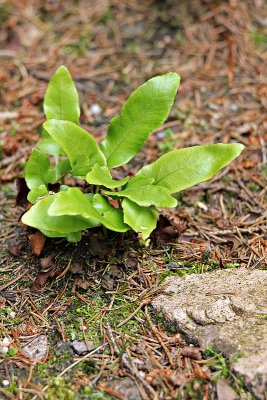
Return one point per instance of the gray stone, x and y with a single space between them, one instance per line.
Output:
81 347
224 391
37 348
126 387
224 309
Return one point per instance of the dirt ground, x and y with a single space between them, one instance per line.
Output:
99 291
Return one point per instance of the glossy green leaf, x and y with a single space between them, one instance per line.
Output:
38 170
73 202
62 168
38 173
101 176
111 217
141 219
79 146
47 145
36 193
147 195
138 181
96 208
74 236
144 111
67 213
61 100
37 217
181 169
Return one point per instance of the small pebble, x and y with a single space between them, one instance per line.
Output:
95 110
161 134
81 348
5 341
234 107
4 350
5 383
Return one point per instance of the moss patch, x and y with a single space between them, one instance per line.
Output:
85 321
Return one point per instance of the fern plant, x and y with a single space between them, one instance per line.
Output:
67 149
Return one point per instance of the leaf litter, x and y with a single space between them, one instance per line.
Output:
91 291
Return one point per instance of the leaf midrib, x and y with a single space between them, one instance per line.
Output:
136 123
177 170
131 131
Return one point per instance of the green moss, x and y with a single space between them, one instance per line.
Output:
88 366
221 368
13 130
6 319
187 268
4 12
41 370
95 313
160 319
259 38
89 393
47 369
12 389
253 187
107 15
59 389
226 179
228 195
167 273
264 170
80 46
1 148
194 390
150 265
230 206
120 312
89 315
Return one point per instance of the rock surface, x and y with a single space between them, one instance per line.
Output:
81 347
126 387
224 309
224 391
37 348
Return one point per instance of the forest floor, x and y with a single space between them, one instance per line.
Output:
99 291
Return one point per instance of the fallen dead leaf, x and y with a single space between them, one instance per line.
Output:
41 279
82 283
248 164
37 242
46 262
15 248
